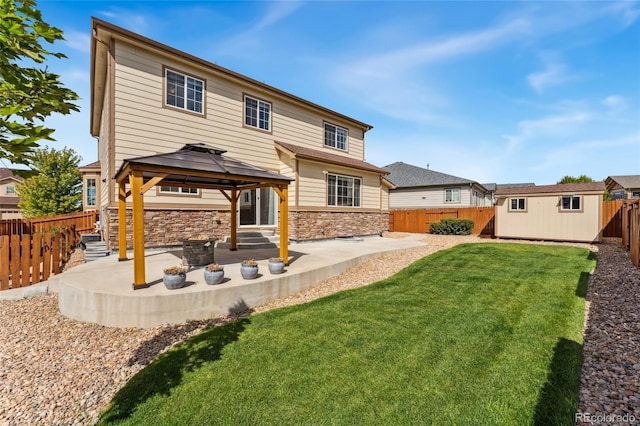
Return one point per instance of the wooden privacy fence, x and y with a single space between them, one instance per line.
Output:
31 258
631 229
419 220
84 222
612 218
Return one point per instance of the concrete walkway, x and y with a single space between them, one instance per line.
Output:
101 291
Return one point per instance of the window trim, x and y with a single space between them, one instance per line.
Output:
324 139
338 175
244 113
13 190
86 192
518 210
571 209
162 193
444 192
184 109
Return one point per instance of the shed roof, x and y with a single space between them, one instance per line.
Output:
204 166
548 189
406 175
314 154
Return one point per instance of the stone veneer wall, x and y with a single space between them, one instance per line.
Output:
170 227
311 225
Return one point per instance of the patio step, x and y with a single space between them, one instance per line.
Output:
95 250
251 240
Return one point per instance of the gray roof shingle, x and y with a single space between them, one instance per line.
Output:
405 175
627 181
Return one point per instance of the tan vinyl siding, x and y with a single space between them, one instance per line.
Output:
313 185
145 127
543 219
104 150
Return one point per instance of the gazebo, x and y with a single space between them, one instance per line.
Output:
193 166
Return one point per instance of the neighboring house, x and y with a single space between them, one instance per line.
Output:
149 99
8 198
623 187
563 212
419 188
90 186
491 187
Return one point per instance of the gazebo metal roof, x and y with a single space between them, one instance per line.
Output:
201 165
197 166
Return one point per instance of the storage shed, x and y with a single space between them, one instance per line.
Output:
564 212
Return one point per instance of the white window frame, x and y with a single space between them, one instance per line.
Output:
10 192
572 200
340 138
261 110
181 190
521 204
353 197
189 86
449 195
95 192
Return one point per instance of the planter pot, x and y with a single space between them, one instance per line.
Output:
173 282
276 267
249 272
213 277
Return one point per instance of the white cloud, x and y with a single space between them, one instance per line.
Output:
249 41
277 11
615 102
78 40
391 82
556 126
138 23
388 64
554 74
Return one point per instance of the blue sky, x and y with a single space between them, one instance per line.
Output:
489 91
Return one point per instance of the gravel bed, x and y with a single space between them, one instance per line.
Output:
610 385
54 370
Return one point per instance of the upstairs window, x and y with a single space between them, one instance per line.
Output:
571 203
452 195
335 137
343 191
10 190
184 92
257 113
517 204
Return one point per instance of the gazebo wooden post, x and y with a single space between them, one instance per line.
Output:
234 219
283 194
136 181
122 220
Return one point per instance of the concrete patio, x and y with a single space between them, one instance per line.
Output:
101 291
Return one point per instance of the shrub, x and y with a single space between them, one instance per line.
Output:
452 226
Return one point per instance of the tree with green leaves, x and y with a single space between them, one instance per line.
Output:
56 189
573 179
28 91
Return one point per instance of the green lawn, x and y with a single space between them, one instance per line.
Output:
478 334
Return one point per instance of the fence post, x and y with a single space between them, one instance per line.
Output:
4 262
55 252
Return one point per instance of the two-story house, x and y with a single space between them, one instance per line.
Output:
9 199
149 99
416 188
